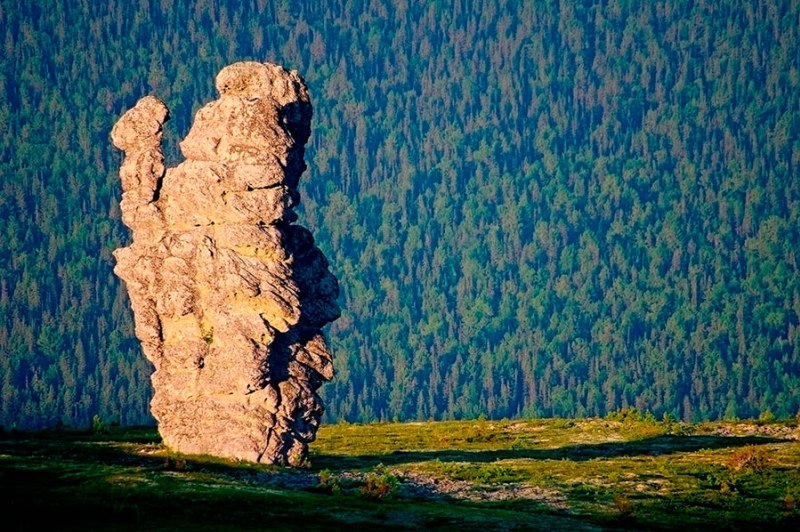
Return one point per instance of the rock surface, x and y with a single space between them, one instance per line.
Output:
228 294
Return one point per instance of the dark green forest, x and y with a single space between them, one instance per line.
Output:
534 208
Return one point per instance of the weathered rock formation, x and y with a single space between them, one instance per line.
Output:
228 294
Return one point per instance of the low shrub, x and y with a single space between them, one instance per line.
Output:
329 483
750 458
480 473
99 426
174 463
380 485
631 415
624 506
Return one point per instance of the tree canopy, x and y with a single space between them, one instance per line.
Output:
533 208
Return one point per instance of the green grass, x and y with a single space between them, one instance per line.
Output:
622 472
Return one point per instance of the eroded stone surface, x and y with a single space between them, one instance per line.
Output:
228 294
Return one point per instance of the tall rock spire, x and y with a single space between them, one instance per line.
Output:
228 294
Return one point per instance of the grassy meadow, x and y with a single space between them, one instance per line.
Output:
627 471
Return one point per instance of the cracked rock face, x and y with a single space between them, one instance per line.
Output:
228 294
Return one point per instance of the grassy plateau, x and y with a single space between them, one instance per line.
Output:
627 471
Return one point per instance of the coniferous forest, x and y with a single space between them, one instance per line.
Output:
533 208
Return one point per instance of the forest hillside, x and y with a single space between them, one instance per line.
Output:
533 208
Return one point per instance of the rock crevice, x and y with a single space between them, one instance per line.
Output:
229 295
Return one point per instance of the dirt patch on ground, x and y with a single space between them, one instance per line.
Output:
421 485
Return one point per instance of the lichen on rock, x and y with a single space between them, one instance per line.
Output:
228 294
